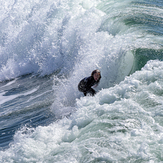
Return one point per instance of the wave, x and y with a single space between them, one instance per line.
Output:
121 123
46 37
68 39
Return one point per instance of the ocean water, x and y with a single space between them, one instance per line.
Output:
47 47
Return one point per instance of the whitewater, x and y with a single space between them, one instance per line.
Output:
47 47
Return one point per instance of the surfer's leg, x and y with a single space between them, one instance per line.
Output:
91 91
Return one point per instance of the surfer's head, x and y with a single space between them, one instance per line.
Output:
96 75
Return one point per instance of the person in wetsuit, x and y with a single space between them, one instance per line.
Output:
85 85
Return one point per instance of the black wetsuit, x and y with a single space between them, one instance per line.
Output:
86 84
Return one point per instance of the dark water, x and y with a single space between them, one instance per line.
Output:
29 100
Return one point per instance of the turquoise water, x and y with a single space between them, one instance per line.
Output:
46 48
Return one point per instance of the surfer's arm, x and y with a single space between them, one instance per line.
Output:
94 86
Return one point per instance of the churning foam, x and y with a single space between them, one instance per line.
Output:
119 123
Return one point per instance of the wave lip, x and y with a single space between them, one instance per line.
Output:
46 37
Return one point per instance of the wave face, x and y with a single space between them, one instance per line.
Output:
46 48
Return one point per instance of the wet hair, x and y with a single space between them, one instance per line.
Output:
96 71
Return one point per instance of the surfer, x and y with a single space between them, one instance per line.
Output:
86 84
